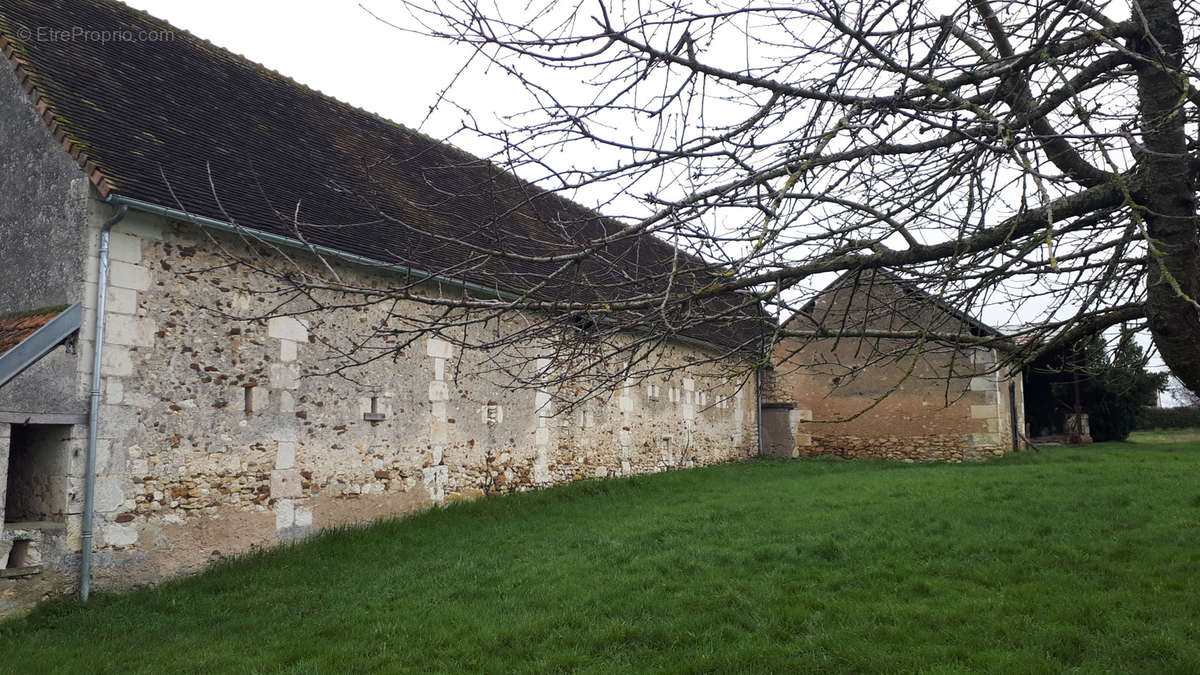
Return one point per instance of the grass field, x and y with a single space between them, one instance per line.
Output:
1084 560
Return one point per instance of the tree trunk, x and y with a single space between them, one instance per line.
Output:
1167 195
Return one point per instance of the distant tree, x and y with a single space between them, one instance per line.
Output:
1117 386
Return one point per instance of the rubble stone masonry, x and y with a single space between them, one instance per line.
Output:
942 403
220 436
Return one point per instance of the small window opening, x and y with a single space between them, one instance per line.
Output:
248 399
374 415
18 557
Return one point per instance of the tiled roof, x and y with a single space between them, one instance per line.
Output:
899 316
176 121
14 328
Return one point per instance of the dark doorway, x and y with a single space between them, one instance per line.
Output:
38 466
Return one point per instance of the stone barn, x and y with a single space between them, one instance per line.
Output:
899 399
124 164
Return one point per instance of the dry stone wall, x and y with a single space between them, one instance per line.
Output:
220 436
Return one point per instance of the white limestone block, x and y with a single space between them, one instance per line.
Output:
285 455
981 440
435 479
285 483
304 517
284 376
287 351
126 275
285 514
129 331
116 362
145 227
114 391
541 402
984 357
439 391
284 434
109 494
74 532
541 469
983 412
982 384
439 432
119 535
125 247
439 349
288 328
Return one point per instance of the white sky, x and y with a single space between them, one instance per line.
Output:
338 48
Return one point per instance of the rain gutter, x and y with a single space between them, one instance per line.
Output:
89 478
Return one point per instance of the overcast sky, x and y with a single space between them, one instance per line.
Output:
338 48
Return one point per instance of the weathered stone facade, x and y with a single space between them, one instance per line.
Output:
219 436
943 403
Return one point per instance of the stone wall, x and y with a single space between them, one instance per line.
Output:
890 398
43 216
38 472
43 200
217 437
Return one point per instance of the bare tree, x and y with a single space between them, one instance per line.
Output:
1035 156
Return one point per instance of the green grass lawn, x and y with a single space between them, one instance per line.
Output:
1166 436
1084 560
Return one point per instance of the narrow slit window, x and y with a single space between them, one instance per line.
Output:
374 415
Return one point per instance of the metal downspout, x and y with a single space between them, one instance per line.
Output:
758 403
762 346
89 479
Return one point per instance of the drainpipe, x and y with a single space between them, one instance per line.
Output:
89 478
758 403
762 346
